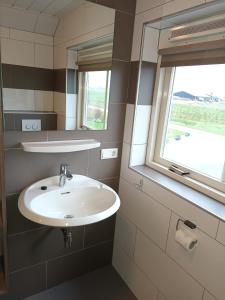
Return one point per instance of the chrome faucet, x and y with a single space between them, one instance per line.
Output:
64 174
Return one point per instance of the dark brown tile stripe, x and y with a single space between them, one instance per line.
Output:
60 80
13 121
30 78
71 81
127 6
146 84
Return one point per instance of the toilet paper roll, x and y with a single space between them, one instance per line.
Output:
186 239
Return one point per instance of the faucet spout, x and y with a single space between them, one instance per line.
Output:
64 175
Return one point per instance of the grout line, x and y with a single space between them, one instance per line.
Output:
46 274
28 231
168 231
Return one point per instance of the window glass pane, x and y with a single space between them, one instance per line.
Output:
195 133
96 99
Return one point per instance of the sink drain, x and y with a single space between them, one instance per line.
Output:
68 217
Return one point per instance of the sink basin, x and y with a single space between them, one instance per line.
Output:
81 201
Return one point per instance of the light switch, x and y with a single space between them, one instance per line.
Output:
109 153
31 125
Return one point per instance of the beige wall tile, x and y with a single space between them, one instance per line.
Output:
17 52
4 32
18 99
126 173
221 233
43 100
125 234
204 220
133 276
208 296
148 215
206 263
44 56
171 279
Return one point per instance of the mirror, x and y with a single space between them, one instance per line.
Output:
72 92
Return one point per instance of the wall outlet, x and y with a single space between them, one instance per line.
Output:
31 125
109 153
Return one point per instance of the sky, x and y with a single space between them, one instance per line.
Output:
201 80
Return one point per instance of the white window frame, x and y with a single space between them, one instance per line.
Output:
83 103
157 131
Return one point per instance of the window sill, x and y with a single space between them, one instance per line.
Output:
196 198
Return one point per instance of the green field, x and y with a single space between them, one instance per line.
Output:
209 117
97 97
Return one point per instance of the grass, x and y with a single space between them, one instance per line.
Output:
209 117
97 97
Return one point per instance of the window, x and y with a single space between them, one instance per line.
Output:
191 124
95 97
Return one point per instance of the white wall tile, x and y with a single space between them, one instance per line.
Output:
164 272
18 99
150 49
206 263
143 5
70 123
4 32
43 56
17 52
31 37
127 173
43 100
161 297
125 234
141 124
177 5
205 221
140 19
70 106
128 123
221 233
138 154
20 35
148 215
208 296
137 281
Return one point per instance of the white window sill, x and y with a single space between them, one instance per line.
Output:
196 198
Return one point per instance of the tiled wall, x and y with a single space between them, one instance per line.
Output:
37 258
145 252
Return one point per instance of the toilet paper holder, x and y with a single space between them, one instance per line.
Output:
188 223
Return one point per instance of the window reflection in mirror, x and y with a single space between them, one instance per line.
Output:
93 99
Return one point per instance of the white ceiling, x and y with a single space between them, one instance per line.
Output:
40 16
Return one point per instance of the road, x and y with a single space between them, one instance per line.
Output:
203 151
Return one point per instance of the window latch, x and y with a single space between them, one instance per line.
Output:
178 171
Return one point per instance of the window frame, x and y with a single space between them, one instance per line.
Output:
83 103
157 131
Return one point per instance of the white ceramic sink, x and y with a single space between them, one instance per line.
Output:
81 201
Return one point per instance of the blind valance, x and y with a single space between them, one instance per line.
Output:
195 54
96 58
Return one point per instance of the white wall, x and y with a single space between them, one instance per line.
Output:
32 50
146 255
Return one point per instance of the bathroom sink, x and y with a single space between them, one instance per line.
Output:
80 201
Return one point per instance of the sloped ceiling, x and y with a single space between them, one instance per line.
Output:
40 16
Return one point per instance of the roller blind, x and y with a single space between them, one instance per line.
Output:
96 58
194 54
